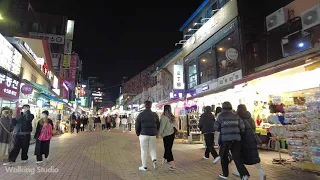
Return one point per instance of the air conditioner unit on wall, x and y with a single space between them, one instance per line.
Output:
277 18
310 17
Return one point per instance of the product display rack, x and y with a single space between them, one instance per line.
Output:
303 133
195 135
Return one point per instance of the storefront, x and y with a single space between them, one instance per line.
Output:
10 66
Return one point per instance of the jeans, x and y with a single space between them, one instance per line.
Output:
168 143
209 139
235 148
20 142
124 127
147 143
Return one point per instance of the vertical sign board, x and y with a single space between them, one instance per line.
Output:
70 29
73 68
66 61
178 77
68 47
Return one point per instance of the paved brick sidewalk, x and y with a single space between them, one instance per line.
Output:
116 156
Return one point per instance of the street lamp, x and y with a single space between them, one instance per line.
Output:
1 18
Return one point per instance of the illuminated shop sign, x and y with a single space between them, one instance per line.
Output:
9 85
175 95
10 58
65 86
178 77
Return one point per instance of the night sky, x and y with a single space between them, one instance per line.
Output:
122 38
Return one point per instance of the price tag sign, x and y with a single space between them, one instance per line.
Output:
276 100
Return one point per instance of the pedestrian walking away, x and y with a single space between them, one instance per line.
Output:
147 126
73 119
124 121
22 132
103 123
230 126
108 122
206 126
130 121
5 131
167 132
249 150
43 136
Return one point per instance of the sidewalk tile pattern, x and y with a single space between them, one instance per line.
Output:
116 156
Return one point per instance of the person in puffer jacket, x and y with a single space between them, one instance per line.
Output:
230 126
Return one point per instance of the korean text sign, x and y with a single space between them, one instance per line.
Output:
9 85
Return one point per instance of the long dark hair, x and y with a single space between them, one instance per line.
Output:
167 112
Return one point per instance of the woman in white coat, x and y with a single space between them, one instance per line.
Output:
118 122
90 123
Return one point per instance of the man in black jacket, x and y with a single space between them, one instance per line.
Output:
230 126
22 134
147 126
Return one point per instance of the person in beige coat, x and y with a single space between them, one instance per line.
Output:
167 132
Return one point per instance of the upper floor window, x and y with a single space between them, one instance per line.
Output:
35 27
206 61
227 55
192 75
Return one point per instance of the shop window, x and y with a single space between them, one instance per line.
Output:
192 75
206 66
227 55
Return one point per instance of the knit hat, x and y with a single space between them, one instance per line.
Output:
45 112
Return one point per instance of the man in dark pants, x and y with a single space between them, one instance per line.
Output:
22 133
230 126
206 124
73 119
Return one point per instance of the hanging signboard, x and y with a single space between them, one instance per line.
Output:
52 38
68 47
70 29
178 77
27 89
66 61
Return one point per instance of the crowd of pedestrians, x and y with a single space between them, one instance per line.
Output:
237 138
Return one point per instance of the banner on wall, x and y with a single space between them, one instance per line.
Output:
73 68
56 57
66 61
178 77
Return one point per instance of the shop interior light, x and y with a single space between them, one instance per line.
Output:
220 49
178 43
203 60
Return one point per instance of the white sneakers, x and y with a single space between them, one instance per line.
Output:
236 173
142 168
39 162
155 164
222 176
205 158
8 163
245 177
217 159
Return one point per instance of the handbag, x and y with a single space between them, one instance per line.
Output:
256 137
46 133
81 125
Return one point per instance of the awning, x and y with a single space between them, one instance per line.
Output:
41 88
53 98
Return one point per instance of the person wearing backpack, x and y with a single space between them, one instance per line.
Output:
43 136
